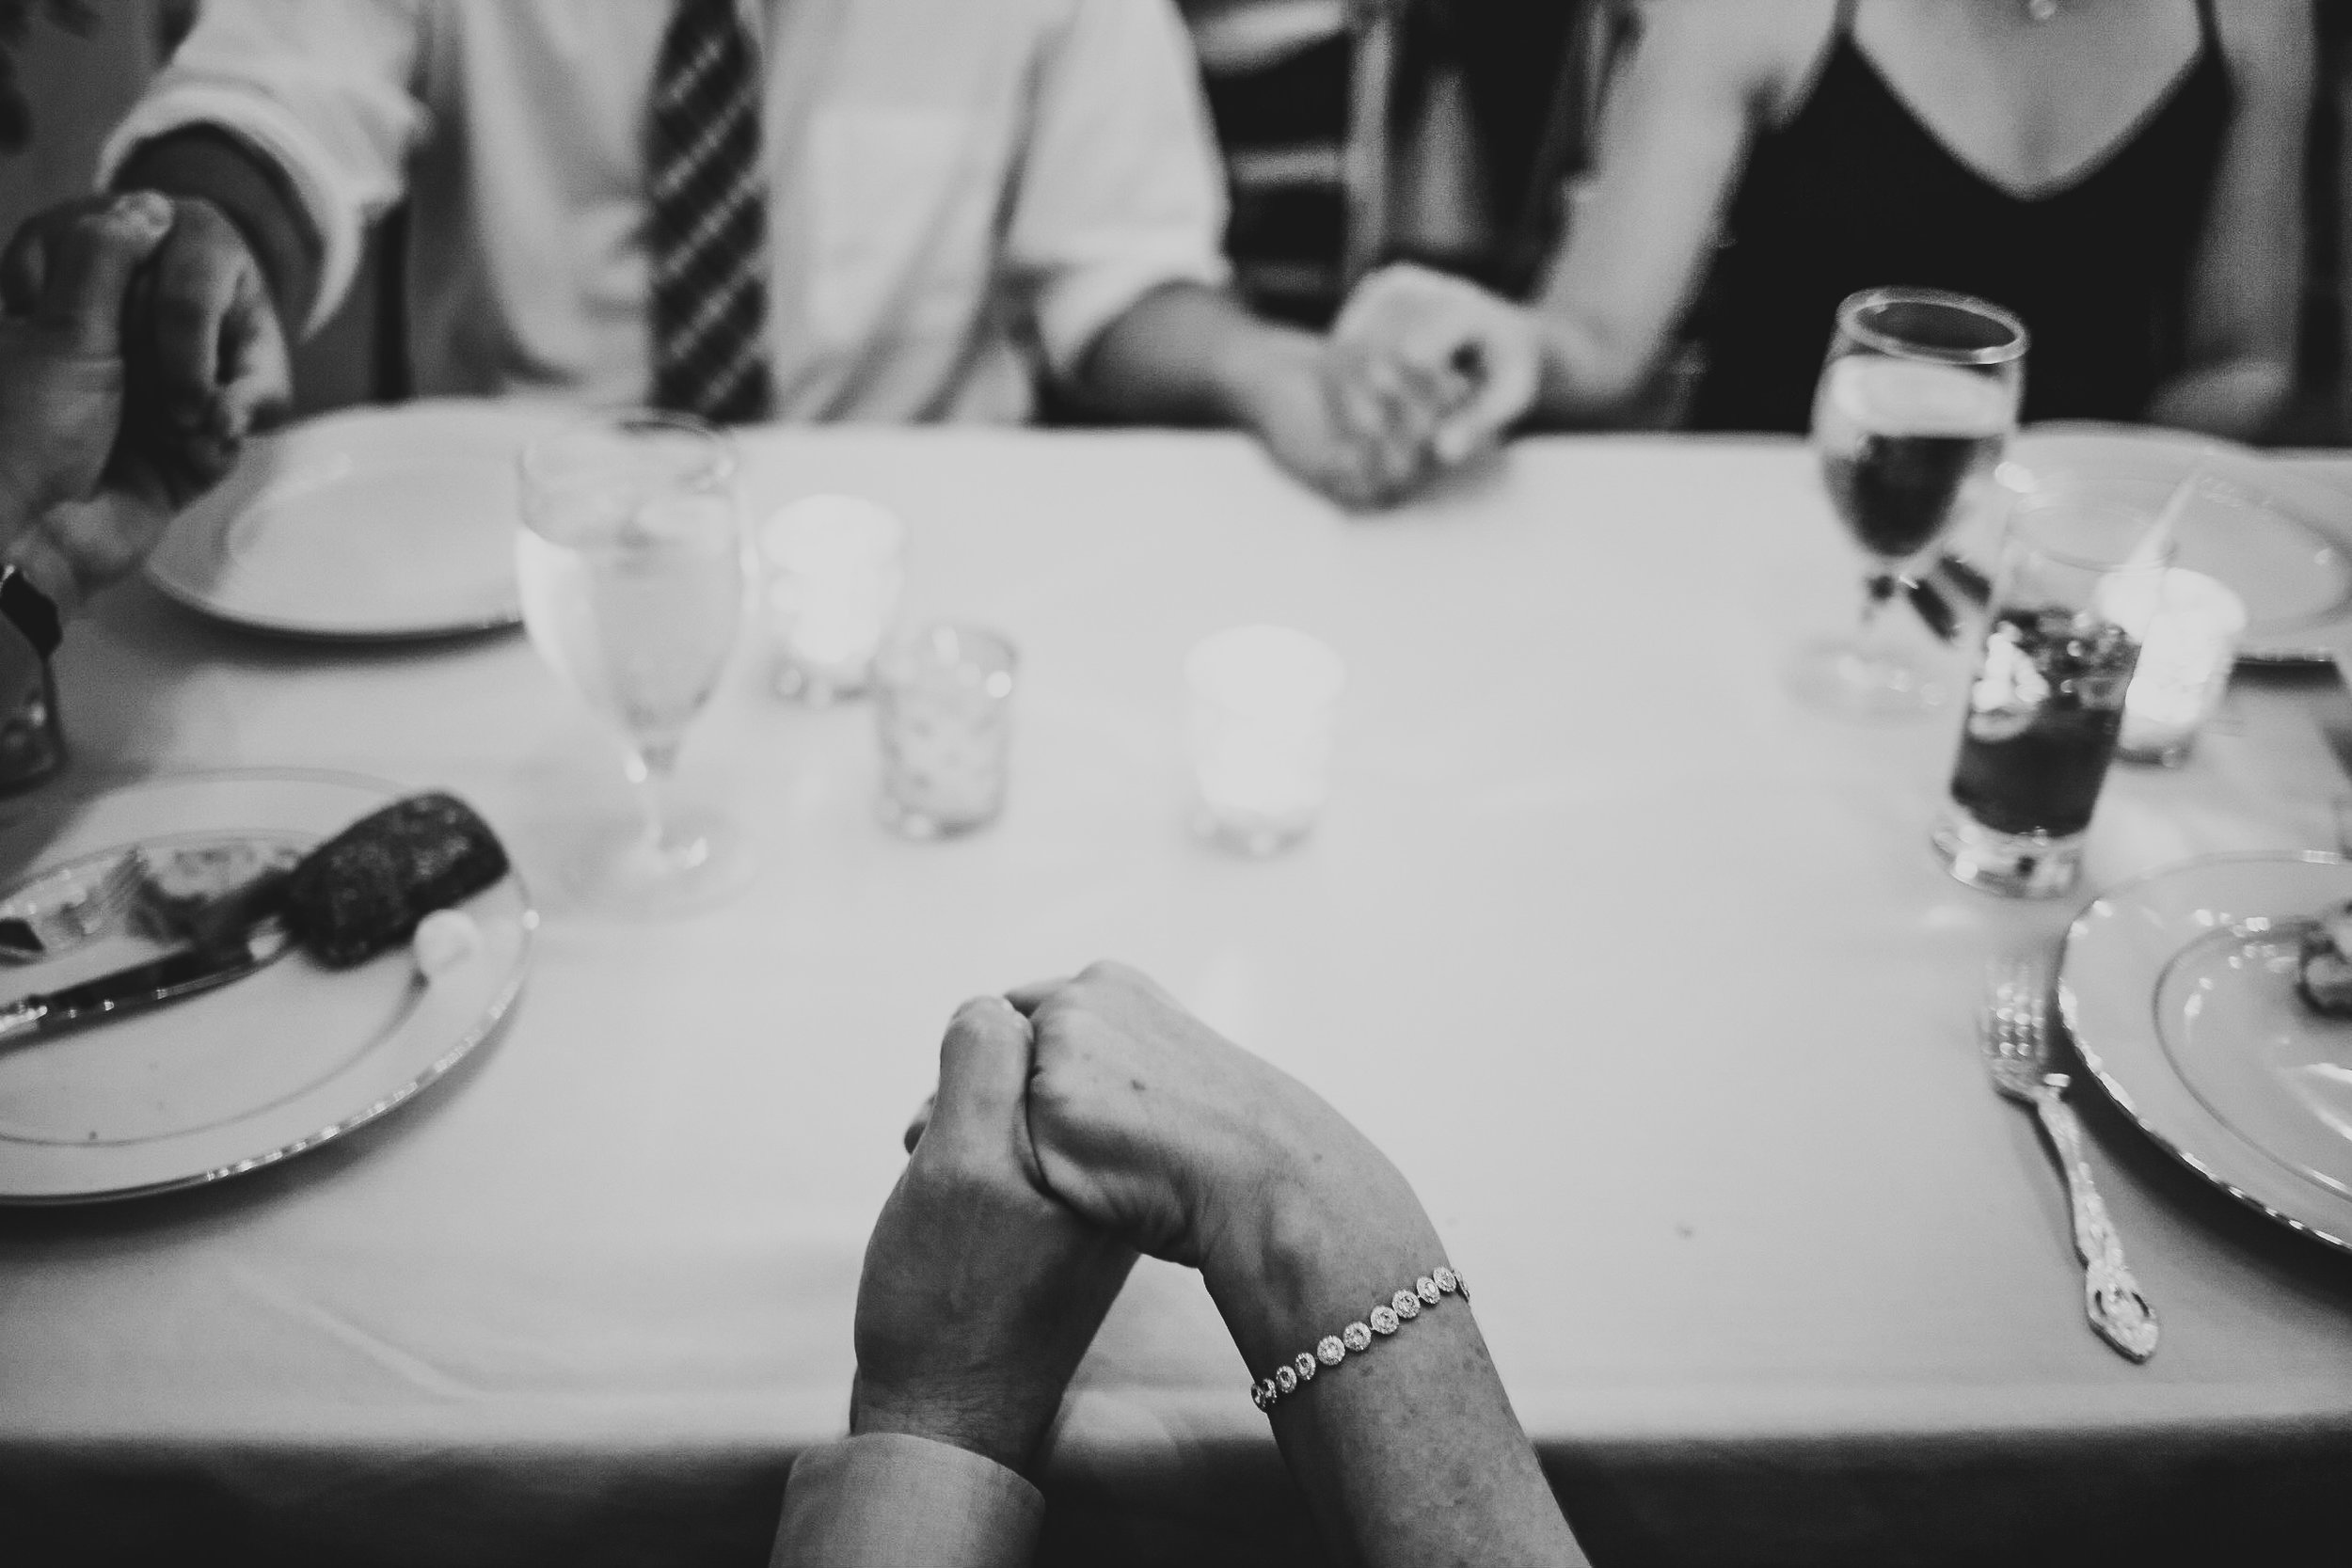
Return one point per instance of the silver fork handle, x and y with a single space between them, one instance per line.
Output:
2111 1296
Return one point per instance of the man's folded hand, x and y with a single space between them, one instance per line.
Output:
204 357
1468 363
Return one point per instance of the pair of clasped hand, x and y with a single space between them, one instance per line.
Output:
1078 1123
1425 374
120 400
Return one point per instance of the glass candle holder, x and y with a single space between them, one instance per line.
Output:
943 713
2077 582
2184 671
1265 707
832 566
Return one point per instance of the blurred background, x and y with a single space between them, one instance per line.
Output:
1449 131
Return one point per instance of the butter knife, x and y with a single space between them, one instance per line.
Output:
187 973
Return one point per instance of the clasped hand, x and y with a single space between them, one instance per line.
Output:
1421 373
139 349
1077 1123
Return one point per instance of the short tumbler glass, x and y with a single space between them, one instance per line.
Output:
2078 578
944 711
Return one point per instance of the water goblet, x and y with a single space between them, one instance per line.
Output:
631 566
1917 399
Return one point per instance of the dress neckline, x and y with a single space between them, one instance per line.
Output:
2072 179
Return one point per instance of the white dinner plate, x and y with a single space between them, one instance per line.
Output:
2179 991
370 524
2281 538
261 1069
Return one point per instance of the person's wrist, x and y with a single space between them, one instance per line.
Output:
1248 373
1004 1425
1328 1237
1558 351
248 192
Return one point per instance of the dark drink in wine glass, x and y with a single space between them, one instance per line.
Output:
1897 441
1915 401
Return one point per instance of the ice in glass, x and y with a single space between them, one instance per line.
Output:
2076 584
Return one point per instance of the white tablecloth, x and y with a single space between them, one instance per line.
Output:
1644 976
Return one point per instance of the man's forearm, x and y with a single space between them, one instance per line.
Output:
209 163
1185 355
1408 1453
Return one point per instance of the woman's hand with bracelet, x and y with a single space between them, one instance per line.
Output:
1156 1129
1163 1133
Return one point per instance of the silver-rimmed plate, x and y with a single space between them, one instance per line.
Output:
369 525
2281 538
2179 991
259 1069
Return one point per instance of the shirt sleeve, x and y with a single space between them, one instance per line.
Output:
324 88
888 1500
1122 190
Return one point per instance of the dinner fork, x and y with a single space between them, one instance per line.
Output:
92 912
2016 1040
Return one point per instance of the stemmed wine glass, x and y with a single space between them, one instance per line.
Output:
1918 397
632 566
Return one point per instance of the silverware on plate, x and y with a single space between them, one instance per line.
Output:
2016 1040
58 910
186 972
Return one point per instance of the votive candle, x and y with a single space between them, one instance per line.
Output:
2185 654
1265 709
833 572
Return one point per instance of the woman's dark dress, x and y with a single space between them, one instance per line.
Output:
1853 191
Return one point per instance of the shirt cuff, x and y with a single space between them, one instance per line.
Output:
278 136
892 1501
1075 308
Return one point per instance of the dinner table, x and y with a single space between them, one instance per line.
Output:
1642 971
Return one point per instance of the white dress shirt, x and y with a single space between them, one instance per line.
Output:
956 187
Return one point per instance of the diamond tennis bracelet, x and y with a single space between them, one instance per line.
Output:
1384 1320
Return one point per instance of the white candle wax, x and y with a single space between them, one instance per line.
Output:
2186 648
834 577
1264 700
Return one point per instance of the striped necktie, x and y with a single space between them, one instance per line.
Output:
708 235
